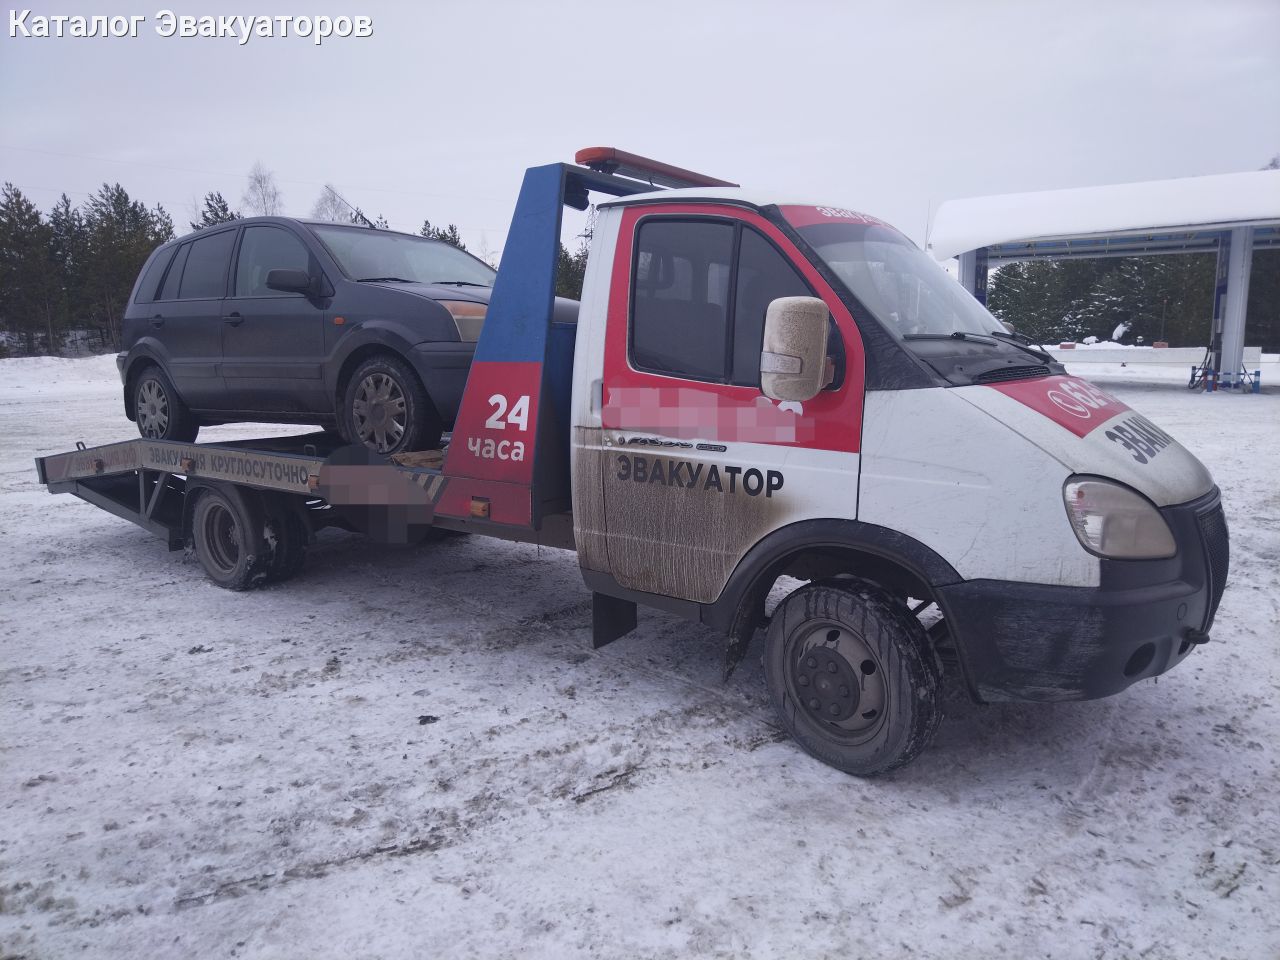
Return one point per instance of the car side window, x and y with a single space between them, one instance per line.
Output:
150 279
171 280
764 275
680 290
262 250
205 274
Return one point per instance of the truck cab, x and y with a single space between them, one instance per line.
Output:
1071 546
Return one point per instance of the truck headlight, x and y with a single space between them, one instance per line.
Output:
1114 521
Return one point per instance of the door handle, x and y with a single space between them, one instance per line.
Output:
157 320
234 319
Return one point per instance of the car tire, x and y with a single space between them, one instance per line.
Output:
158 410
385 407
852 677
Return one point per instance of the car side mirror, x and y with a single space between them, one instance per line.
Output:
793 364
290 281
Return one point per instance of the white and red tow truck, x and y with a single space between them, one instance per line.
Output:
759 388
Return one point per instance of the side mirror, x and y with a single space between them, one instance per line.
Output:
793 365
290 281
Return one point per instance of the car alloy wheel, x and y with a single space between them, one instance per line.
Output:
152 409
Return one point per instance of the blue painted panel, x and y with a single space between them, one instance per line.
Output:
558 373
519 314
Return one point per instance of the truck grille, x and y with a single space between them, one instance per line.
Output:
1217 550
1012 373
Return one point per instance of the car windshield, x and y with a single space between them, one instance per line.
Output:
366 254
893 278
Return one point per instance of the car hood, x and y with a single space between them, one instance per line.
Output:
564 310
439 291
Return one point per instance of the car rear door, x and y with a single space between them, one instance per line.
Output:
273 340
187 317
696 464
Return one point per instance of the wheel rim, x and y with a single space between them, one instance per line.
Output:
221 537
379 412
152 409
837 681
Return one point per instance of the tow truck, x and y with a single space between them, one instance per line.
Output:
759 391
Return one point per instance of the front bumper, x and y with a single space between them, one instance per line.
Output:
1023 641
443 367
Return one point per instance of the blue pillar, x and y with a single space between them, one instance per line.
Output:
973 273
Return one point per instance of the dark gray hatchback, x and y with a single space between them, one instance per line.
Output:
369 332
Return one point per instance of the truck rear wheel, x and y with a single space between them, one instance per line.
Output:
286 535
852 677
227 533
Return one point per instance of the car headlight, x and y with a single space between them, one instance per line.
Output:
1115 521
468 317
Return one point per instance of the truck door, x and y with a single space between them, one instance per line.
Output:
696 464
273 340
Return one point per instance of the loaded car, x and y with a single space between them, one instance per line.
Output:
366 332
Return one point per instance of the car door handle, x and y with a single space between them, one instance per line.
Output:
234 319
157 320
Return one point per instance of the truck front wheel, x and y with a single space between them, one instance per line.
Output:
852 677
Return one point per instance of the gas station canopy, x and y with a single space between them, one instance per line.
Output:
1229 214
1129 219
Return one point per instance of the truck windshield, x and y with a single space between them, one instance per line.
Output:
366 254
898 282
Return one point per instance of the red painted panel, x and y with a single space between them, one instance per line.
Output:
509 503
1069 402
493 437
635 400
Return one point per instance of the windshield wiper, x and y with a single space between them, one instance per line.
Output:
954 335
1013 335
383 280
1023 342
461 283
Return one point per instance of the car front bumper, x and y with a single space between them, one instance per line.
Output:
443 368
1024 641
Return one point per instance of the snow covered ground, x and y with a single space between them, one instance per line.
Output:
416 753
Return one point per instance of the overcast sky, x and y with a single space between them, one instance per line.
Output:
889 108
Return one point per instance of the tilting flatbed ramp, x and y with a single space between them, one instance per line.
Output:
144 481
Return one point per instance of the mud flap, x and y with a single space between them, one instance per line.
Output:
749 616
611 619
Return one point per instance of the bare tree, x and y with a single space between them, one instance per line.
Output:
331 206
262 196
487 253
